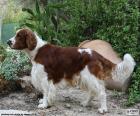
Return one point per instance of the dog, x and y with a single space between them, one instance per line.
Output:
55 67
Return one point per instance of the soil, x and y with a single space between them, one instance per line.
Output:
7 86
67 104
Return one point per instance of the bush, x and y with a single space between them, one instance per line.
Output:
2 52
15 64
42 20
134 90
70 22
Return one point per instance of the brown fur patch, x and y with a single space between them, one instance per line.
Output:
63 63
100 67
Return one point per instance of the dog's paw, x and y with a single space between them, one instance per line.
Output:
42 105
102 110
84 103
40 101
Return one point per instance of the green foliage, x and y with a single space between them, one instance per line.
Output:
2 50
120 25
14 65
13 12
43 21
134 90
69 22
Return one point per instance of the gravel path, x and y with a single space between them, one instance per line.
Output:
67 104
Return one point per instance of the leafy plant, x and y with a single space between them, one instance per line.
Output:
14 65
2 50
43 20
134 90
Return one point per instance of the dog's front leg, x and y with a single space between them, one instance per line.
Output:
43 103
49 93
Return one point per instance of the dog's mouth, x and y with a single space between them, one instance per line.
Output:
11 46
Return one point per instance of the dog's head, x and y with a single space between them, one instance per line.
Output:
24 39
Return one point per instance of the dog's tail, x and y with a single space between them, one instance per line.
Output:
124 69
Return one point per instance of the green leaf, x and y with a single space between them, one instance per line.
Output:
54 21
28 11
29 25
37 7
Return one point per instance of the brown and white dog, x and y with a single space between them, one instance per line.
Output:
55 67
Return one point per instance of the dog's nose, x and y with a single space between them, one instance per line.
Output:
9 42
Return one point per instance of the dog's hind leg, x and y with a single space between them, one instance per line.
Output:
88 99
102 99
91 83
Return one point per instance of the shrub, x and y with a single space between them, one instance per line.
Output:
2 52
134 90
43 21
14 65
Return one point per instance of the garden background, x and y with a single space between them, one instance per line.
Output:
69 22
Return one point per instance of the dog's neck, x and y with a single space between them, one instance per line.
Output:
32 53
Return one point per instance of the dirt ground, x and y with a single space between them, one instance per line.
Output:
67 104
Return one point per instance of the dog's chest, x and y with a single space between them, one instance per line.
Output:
38 74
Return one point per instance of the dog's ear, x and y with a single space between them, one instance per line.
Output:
31 40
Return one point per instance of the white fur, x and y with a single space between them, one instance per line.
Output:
94 86
40 81
62 84
89 51
38 78
124 69
13 41
37 74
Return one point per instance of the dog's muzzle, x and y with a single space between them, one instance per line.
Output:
9 42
